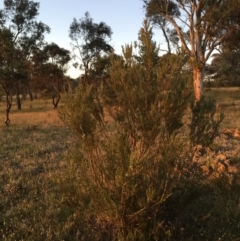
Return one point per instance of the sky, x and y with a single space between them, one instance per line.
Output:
125 18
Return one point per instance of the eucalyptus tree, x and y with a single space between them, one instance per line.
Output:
226 62
226 66
20 18
55 70
7 57
201 27
49 66
89 41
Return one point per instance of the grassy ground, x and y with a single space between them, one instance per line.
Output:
32 150
228 102
32 154
37 112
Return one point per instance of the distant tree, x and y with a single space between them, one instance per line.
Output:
226 66
37 82
49 68
201 27
169 34
19 16
7 57
226 63
100 66
89 41
56 67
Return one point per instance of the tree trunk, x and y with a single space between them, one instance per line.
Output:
8 108
55 101
19 104
198 75
30 95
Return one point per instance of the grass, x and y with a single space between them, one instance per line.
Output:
228 102
33 151
37 112
32 154
225 95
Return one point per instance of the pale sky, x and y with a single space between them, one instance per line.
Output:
125 18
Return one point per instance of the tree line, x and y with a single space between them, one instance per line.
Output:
28 64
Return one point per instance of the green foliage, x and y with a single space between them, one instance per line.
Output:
203 209
49 67
178 92
94 41
19 18
123 170
226 67
82 118
206 23
100 67
46 94
47 191
131 176
204 127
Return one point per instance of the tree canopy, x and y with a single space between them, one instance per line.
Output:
49 68
20 18
89 41
19 26
200 25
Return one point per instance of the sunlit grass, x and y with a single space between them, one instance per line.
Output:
228 102
224 95
33 151
37 112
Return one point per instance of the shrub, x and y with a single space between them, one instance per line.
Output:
129 145
131 176
204 126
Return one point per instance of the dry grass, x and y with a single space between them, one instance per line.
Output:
41 111
32 152
228 102
32 156
48 117
37 112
